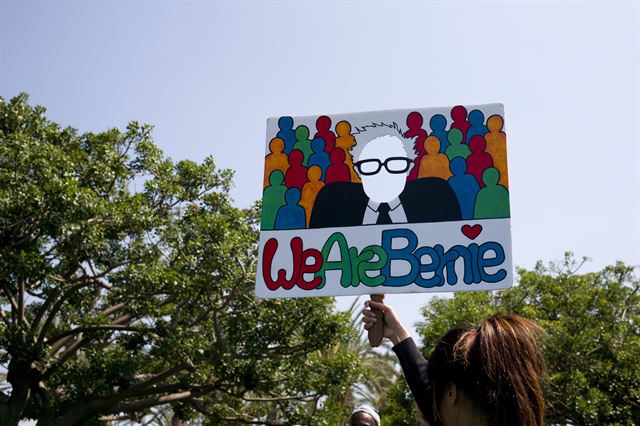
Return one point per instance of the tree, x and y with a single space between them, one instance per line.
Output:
593 344
400 408
126 282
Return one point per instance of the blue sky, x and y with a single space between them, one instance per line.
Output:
208 74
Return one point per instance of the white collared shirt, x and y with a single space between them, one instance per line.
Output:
396 212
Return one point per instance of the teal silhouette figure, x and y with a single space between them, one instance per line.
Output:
476 119
291 215
319 157
464 185
303 144
438 123
272 199
286 133
456 148
492 200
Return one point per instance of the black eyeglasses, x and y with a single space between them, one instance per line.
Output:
394 165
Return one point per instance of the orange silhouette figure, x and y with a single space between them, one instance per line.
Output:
310 190
434 163
497 147
346 141
277 160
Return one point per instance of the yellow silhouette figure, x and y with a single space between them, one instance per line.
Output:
277 160
497 147
434 163
346 141
310 190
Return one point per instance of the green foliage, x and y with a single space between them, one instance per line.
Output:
400 409
126 282
593 344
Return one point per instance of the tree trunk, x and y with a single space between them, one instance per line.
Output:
20 375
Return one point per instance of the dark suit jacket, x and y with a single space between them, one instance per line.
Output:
423 200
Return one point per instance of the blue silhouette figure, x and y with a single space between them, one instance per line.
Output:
438 124
476 119
291 215
286 133
464 185
319 157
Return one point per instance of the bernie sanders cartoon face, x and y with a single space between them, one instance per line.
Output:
383 158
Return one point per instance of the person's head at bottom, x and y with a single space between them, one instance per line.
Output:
364 416
488 375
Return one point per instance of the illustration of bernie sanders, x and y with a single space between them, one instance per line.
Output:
383 158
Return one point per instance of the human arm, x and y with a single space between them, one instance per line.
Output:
414 365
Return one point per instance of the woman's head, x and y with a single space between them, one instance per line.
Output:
491 374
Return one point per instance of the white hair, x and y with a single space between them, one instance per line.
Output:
369 132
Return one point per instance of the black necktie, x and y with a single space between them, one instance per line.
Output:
383 214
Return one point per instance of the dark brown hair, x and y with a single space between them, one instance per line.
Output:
498 365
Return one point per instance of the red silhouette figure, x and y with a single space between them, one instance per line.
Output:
323 124
414 122
459 117
337 171
296 175
479 160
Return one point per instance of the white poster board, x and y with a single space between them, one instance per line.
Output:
400 201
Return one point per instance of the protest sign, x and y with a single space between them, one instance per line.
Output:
399 201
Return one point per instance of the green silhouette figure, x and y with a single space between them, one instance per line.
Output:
456 148
272 199
303 143
492 201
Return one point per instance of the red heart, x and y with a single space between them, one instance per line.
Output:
471 231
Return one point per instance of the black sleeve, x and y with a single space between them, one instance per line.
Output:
414 367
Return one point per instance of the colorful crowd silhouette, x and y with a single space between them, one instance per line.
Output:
471 156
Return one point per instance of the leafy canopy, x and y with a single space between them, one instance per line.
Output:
126 282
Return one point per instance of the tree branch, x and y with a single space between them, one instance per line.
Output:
284 351
43 309
84 281
150 402
82 341
307 398
14 305
81 330
173 388
252 421
71 350
138 387
4 317
110 310
61 343
107 406
626 303
116 418
56 309
65 356
9 296
220 343
21 292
